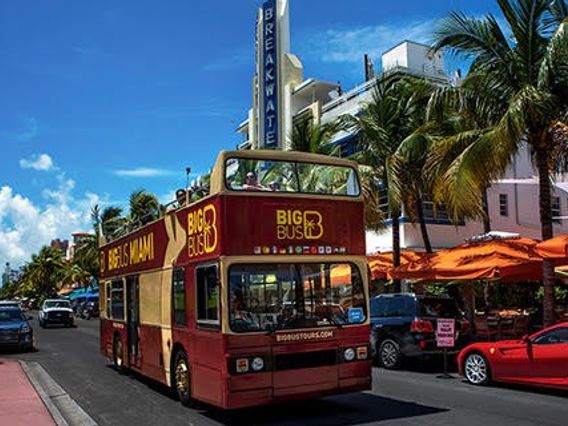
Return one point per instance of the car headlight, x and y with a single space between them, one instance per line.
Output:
257 363
349 354
25 329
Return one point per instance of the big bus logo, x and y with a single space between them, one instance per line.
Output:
202 231
298 224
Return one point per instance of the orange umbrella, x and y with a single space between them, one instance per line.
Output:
381 263
554 249
507 259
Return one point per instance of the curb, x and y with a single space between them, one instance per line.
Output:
64 410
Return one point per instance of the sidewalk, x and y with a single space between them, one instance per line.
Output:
20 405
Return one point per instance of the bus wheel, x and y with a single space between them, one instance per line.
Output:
118 354
182 379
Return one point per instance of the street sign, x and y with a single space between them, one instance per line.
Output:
445 333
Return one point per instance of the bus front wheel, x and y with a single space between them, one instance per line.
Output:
182 379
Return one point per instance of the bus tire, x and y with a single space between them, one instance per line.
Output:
118 354
181 379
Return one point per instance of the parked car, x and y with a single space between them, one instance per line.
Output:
12 303
404 326
90 309
56 311
15 330
539 360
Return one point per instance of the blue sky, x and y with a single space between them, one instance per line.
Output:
101 98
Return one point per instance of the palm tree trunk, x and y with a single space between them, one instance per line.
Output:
422 222
486 218
545 204
396 246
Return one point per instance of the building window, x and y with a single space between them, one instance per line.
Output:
179 297
503 205
432 212
207 282
117 300
556 211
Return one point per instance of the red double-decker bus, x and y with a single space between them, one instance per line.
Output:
255 294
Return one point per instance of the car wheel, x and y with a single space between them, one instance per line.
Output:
476 369
389 354
182 379
118 355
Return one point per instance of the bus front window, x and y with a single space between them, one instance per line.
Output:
290 296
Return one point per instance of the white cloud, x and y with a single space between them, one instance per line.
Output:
25 226
350 44
144 172
42 162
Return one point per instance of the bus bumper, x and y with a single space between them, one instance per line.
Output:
297 385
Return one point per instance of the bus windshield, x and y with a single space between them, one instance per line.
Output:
243 174
265 297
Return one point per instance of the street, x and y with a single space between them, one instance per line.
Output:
71 357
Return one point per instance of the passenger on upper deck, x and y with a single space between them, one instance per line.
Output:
251 183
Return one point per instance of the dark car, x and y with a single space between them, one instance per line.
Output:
15 330
404 326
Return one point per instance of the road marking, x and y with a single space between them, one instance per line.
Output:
64 410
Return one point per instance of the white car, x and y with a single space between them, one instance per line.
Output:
56 311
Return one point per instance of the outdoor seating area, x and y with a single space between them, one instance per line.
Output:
495 281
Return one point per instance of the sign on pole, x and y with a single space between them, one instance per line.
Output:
445 333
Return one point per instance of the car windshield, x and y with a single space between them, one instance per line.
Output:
287 176
438 307
57 304
285 296
11 315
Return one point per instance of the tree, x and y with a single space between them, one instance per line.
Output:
108 222
381 127
43 274
528 73
308 136
144 207
408 184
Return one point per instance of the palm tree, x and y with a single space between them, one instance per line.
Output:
308 136
45 272
528 73
381 127
108 222
406 167
144 207
86 256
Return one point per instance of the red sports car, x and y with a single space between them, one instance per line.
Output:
540 360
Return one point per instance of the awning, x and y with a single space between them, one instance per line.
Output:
381 263
505 259
554 249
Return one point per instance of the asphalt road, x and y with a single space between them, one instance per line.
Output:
410 397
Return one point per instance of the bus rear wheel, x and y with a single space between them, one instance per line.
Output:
182 379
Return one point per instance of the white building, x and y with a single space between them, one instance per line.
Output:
513 200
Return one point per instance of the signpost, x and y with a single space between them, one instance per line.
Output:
445 338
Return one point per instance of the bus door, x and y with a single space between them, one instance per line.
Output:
133 320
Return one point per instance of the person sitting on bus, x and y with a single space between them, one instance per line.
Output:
274 186
251 183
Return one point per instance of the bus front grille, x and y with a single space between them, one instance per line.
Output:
305 360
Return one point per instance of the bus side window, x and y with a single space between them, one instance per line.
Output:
178 289
207 283
117 300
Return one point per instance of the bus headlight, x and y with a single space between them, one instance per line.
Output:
257 363
349 354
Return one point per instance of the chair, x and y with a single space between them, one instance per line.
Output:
483 330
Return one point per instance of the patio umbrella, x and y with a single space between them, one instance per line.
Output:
505 259
554 249
381 263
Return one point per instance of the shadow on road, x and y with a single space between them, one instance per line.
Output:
351 409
